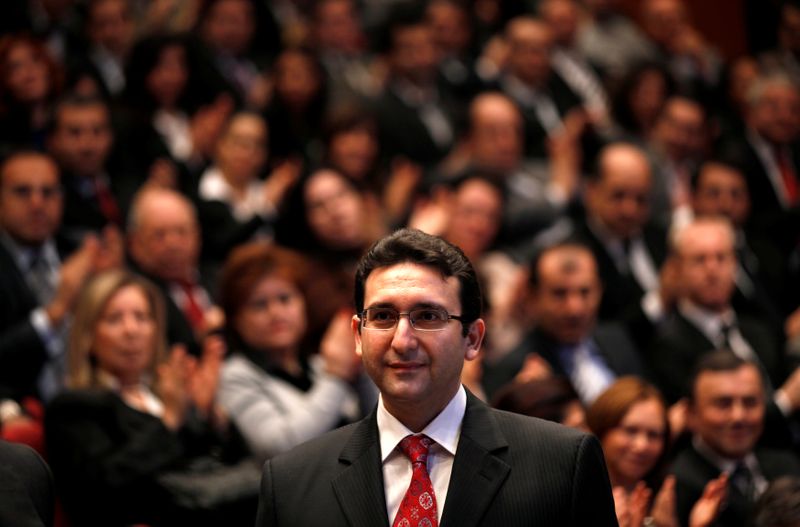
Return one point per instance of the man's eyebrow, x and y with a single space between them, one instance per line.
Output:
415 306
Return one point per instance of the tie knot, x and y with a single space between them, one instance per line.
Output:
415 447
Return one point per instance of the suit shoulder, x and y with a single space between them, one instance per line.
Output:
322 449
535 430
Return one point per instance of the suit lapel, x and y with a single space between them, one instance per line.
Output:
359 486
478 469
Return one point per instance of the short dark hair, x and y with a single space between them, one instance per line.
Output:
721 360
569 242
75 100
779 506
415 246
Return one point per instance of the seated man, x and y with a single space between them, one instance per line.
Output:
726 413
564 295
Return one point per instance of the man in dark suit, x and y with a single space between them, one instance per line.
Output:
419 304
164 245
27 497
726 413
564 295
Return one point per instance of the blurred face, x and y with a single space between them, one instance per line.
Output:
789 30
743 73
296 80
30 199
562 17
413 54
496 137
728 410
620 198
566 299
27 77
334 210
476 217
680 129
722 191
166 240
633 447
777 115
707 265
124 337
229 26
273 319
647 98
111 26
337 26
530 45
242 149
451 28
167 79
663 20
354 152
82 139
415 370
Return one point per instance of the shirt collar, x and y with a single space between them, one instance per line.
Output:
445 429
724 464
709 322
24 255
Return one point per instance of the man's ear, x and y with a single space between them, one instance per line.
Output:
474 338
355 325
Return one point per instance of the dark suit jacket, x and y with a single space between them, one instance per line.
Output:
621 291
679 343
22 353
692 472
509 470
26 487
612 341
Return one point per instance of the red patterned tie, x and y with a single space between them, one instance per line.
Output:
418 508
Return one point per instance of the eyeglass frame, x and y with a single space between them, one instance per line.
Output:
362 318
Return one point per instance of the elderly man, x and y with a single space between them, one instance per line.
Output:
431 453
726 414
164 244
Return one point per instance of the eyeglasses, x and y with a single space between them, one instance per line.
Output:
422 319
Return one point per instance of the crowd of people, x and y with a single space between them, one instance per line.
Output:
187 186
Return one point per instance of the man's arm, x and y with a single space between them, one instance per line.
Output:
592 502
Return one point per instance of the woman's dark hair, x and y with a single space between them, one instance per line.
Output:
543 398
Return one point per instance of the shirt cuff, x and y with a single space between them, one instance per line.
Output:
782 402
48 334
652 306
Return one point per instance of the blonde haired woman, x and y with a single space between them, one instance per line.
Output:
132 417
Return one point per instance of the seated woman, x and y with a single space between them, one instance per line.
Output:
133 421
276 390
630 419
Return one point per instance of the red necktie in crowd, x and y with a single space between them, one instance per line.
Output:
418 508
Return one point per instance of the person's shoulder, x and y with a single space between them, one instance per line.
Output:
19 455
323 449
535 431
84 398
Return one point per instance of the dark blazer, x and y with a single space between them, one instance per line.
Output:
26 487
612 341
509 470
22 353
679 343
692 472
621 290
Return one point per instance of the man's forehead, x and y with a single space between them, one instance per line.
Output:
745 380
404 275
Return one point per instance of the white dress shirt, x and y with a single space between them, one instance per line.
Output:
445 430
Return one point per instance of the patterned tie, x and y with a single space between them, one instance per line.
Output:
418 508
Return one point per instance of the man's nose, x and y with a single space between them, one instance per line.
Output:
404 335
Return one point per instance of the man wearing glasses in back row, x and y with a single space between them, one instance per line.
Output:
431 453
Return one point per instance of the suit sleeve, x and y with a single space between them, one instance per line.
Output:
592 501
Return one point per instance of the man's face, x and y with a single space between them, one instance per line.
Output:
497 135
620 198
82 139
30 199
722 191
336 26
111 25
680 129
166 241
728 410
415 369
413 54
334 210
707 265
777 115
566 298
530 45
229 26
